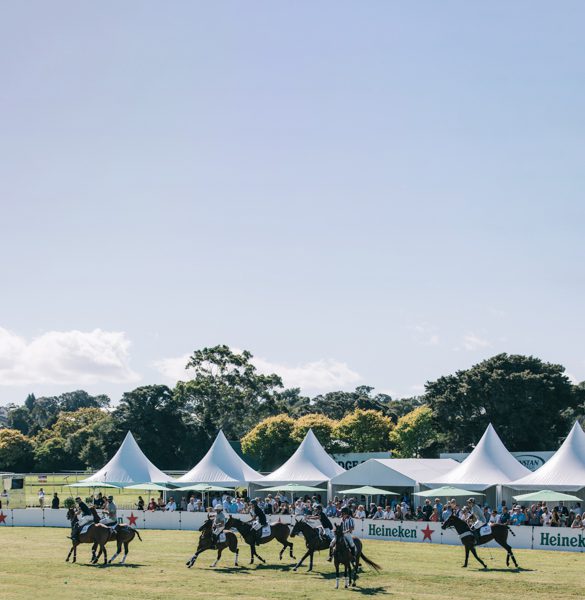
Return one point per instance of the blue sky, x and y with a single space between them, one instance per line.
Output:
357 192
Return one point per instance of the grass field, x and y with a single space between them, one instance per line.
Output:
32 565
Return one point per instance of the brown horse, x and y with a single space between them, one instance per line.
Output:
499 534
123 534
207 542
278 531
96 534
315 542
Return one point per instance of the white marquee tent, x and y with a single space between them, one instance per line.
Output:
394 472
128 466
565 471
221 465
309 465
489 464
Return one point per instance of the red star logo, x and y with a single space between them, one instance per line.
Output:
3 517
132 520
427 533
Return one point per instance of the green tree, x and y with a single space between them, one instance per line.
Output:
414 433
271 442
52 455
227 392
323 427
336 405
16 451
365 431
162 425
508 391
19 418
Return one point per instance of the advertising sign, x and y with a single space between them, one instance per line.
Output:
352 459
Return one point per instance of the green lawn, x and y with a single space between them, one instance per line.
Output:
57 483
32 565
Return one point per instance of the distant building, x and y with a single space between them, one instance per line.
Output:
3 416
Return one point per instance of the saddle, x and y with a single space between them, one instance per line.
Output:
265 531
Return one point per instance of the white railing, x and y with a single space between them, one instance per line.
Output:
526 537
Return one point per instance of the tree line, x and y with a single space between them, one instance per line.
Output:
531 403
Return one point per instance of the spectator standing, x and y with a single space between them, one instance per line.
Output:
435 515
379 514
140 503
191 506
55 501
389 513
42 498
545 517
360 513
577 509
427 510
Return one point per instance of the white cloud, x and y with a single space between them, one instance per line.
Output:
323 375
474 342
65 357
426 335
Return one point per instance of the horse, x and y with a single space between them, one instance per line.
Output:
278 531
314 542
342 555
206 542
96 534
499 533
123 534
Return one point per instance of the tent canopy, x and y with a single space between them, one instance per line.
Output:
129 465
221 465
489 464
394 472
309 465
565 470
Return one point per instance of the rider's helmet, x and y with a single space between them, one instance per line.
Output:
345 511
317 507
254 502
218 508
110 498
471 500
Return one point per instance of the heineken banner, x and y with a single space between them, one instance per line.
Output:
522 537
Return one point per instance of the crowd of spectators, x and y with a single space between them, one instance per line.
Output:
537 514
395 509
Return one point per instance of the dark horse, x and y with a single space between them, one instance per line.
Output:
96 534
123 535
206 542
278 532
315 542
499 534
342 555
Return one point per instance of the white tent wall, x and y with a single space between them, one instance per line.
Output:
221 465
309 465
564 472
129 465
488 465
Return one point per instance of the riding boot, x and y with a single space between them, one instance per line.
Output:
477 536
330 553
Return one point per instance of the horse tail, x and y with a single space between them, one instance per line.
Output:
371 563
136 532
510 530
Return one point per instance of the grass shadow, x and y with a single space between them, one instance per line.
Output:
506 570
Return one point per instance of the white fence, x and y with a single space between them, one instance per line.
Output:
536 538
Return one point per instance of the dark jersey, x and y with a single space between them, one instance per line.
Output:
259 514
84 509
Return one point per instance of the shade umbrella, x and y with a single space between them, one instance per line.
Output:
546 495
151 487
92 484
448 492
292 487
368 490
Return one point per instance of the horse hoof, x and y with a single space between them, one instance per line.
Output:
295 569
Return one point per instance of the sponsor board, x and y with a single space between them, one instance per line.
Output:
352 459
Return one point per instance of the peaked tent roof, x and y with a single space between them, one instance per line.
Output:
565 470
489 464
221 465
395 472
128 466
310 464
